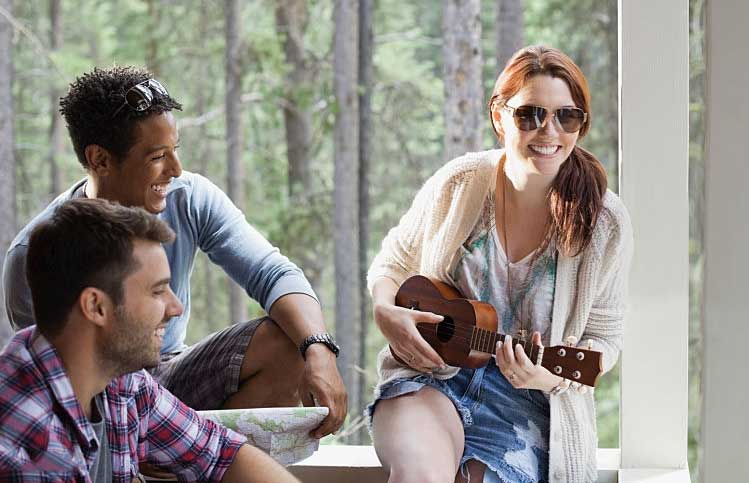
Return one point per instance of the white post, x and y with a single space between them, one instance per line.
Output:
725 423
654 161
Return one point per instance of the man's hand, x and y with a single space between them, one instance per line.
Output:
300 316
322 386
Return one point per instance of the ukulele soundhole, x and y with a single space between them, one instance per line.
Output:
446 329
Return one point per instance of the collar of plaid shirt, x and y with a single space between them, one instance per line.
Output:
52 370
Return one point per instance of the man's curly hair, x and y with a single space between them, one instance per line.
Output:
92 100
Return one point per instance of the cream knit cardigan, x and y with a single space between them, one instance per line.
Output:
589 295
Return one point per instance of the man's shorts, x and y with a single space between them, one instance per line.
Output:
204 375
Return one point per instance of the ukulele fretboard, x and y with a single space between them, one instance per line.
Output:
485 341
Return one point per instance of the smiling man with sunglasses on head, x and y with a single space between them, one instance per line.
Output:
124 134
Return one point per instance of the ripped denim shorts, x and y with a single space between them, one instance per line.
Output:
507 429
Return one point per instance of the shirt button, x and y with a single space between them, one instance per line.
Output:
557 436
558 474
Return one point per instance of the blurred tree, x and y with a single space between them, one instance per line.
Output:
55 125
234 164
509 30
366 11
291 23
346 209
152 41
203 88
7 142
461 31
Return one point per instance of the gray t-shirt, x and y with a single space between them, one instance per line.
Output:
203 218
101 468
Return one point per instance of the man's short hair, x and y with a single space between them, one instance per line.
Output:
92 100
86 243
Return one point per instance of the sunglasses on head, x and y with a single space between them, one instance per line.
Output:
530 118
140 96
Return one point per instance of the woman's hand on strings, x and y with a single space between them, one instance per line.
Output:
398 325
519 370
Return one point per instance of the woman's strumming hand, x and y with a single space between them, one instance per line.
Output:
398 325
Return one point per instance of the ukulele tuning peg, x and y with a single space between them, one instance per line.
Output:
590 344
581 389
571 340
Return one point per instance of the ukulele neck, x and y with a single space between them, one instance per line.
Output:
483 340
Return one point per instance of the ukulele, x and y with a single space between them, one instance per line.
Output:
467 335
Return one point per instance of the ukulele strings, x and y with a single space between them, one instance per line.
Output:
465 332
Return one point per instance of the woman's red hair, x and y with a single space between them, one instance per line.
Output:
576 194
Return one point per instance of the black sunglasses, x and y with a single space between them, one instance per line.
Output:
140 96
530 118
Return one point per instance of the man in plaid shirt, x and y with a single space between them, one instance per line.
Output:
75 404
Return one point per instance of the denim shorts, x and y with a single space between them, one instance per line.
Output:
505 428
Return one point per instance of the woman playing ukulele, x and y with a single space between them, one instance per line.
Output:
532 230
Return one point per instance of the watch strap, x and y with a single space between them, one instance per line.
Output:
323 338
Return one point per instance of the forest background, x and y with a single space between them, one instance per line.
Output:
321 119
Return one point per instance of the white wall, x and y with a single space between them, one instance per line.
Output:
725 416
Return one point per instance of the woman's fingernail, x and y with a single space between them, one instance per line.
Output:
499 344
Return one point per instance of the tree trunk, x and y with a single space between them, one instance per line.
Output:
464 93
55 126
612 110
7 161
291 24
346 210
152 43
366 8
510 29
209 293
234 166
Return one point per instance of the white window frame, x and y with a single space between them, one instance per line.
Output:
653 174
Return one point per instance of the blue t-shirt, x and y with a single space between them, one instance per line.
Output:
203 217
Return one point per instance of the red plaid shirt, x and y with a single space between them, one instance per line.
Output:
45 436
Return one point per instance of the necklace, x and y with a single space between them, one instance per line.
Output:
516 311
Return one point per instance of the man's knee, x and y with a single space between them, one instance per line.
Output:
274 350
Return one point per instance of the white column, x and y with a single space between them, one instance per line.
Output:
654 161
725 422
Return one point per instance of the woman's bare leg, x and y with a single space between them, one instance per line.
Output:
419 437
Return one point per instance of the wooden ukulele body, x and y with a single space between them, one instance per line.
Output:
451 338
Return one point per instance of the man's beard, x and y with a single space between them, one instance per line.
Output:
129 347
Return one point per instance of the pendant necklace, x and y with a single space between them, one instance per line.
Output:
516 311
